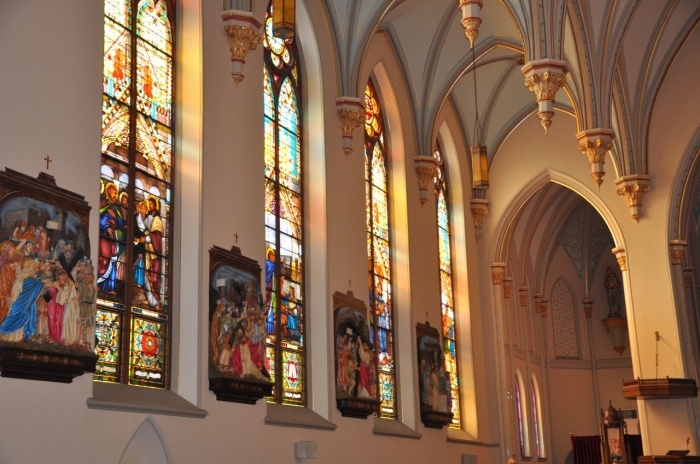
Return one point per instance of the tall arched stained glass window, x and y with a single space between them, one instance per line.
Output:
449 339
284 263
133 265
379 252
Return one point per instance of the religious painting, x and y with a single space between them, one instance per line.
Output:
238 364
433 380
356 384
47 281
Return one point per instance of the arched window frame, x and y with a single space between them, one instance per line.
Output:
522 416
378 209
134 313
449 336
284 218
537 418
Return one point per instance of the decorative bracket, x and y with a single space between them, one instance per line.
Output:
544 78
351 112
595 143
479 207
633 187
426 170
243 32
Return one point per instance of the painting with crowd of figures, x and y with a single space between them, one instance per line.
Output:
356 388
433 379
238 364
47 280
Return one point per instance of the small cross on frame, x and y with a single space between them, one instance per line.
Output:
236 236
48 161
349 283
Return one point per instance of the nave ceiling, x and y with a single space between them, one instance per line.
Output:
617 54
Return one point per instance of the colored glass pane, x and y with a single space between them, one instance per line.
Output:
118 11
147 360
108 343
135 204
117 62
284 263
446 291
115 128
379 253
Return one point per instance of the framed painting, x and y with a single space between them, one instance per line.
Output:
238 364
433 379
47 281
356 386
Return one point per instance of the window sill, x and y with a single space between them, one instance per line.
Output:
117 397
393 428
460 436
292 416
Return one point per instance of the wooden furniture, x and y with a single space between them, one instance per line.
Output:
668 459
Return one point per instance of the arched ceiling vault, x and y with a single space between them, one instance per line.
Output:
617 53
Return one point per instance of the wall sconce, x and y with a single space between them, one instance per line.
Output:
243 33
305 450
283 18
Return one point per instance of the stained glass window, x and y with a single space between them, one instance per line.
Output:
537 415
521 412
284 257
449 339
379 252
134 314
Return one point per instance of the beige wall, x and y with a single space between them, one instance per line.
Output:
50 102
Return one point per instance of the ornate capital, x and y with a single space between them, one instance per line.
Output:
480 208
351 112
471 18
243 33
522 294
497 273
544 78
426 170
543 306
621 256
588 308
633 187
677 250
687 281
537 298
595 143
507 287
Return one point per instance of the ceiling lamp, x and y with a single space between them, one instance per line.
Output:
283 18
479 155
471 19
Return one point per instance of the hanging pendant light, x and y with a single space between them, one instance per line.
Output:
479 155
283 18
471 18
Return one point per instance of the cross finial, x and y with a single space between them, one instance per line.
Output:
236 236
349 283
48 161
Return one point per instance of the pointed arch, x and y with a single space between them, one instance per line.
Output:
522 415
147 446
285 298
134 265
537 418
